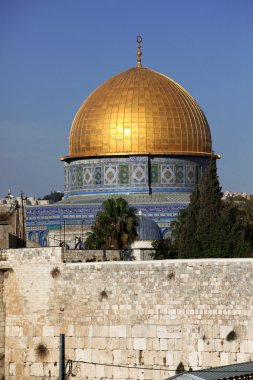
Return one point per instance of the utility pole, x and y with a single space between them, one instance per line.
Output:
60 231
62 357
82 233
23 219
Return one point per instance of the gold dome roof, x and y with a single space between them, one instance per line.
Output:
139 111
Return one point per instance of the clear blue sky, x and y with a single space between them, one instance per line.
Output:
53 53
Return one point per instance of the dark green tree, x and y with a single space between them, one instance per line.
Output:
237 230
186 239
54 196
208 231
210 227
164 249
200 236
114 227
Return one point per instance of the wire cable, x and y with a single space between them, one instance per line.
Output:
70 364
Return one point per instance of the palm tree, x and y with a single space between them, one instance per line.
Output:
114 227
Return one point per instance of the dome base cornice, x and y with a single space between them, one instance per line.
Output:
162 154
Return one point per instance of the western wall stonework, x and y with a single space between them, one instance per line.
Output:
122 320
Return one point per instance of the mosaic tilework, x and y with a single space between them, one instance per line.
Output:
168 174
124 174
180 174
190 174
79 176
100 175
38 237
87 176
41 219
110 174
139 174
73 177
154 173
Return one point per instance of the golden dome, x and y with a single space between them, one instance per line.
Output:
139 111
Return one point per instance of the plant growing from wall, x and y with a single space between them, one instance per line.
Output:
103 295
231 336
55 272
180 368
41 351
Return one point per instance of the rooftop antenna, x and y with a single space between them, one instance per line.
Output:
139 53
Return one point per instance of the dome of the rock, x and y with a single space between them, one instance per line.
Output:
140 136
139 111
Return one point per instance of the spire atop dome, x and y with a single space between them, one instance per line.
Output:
139 52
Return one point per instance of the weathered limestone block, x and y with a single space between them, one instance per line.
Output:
100 371
14 330
83 354
117 356
81 330
88 371
139 344
118 331
37 369
225 330
193 359
120 373
12 369
53 355
163 344
224 358
99 343
242 357
100 331
48 331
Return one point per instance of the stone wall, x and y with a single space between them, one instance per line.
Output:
89 255
2 324
125 320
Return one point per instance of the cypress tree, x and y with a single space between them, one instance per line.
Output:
200 234
238 231
208 228
188 245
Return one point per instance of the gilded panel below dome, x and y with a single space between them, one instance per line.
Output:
139 111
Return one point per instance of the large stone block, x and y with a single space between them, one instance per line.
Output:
118 331
193 359
48 331
83 354
14 330
139 344
37 369
88 371
225 330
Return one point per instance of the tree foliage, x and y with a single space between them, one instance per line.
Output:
114 227
54 196
210 227
164 249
